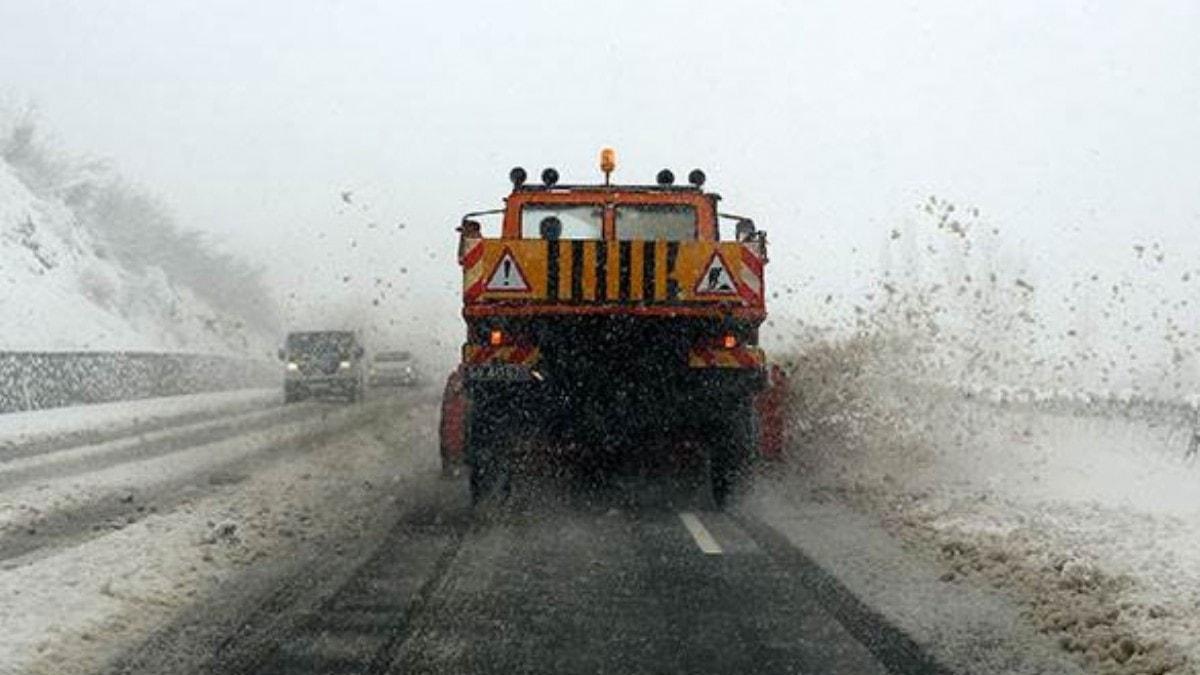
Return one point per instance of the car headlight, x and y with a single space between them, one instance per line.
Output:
292 365
344 365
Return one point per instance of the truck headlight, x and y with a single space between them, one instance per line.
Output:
293 366
345 365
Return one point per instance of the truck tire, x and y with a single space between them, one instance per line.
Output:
487 453
731 448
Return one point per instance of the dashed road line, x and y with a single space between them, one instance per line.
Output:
700 534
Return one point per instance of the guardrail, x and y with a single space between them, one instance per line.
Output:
1083 402
36 380
1183 410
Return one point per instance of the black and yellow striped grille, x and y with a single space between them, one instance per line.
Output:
612 273
601 271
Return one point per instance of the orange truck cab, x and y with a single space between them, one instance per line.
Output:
614 323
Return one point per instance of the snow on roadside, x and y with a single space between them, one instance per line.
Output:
1102 521
37 426
1092 523
59 461
25 506
79 608
967 629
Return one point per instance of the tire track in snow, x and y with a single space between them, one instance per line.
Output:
91 458
106 422
120 494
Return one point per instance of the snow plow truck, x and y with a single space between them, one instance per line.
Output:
611 328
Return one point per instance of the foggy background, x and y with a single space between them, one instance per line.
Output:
337 143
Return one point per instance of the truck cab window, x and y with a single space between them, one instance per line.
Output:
575 221
669 222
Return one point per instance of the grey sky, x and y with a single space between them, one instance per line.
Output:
1071 125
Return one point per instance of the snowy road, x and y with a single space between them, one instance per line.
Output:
320 538
594 584
55 497
25 433
91 535
576 591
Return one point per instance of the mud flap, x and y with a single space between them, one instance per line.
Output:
731 449
487 451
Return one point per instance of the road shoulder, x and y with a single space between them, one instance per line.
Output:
969 629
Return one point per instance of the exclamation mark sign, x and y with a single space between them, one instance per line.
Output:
507 276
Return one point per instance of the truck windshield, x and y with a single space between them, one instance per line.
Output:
670 222
319 342
562 221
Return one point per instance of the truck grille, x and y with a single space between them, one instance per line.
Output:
320 365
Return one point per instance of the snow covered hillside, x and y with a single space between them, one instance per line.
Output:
66 285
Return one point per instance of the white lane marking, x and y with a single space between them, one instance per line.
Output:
703 539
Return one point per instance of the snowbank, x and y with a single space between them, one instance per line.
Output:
1095 521
93 423
966 629
81 606
61 290
1091 522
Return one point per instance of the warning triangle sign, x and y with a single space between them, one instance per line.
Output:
507 275
716 279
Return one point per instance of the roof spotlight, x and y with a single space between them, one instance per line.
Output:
696 177
665 177
517 176
549 176
608 162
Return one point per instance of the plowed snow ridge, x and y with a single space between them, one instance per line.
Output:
84 604
90 423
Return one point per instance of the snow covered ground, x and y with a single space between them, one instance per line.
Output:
60 290
1021 541
967 628
1092 524
71 606
92 423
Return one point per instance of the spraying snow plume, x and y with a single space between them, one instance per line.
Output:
1026 436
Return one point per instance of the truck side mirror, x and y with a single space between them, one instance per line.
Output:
468 229
282 354
745 230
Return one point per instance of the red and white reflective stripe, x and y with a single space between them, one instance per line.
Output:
751 274
472 264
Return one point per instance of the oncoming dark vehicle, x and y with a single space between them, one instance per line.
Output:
323 363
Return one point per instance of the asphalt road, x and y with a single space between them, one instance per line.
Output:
566 587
